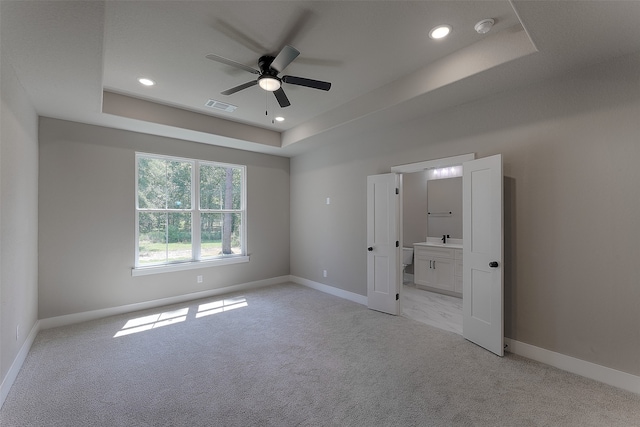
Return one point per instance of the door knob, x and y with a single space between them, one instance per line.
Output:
370 248
493 264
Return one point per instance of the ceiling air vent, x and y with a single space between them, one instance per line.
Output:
222 106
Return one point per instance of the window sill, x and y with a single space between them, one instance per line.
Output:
157 269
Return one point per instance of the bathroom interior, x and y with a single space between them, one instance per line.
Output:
432 247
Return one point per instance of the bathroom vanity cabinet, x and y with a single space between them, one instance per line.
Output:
438 268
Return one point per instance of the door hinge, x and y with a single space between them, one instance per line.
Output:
397 243
397 297
397 191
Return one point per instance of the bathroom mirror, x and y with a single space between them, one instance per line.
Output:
444 207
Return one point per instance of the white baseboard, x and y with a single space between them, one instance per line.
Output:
12 374
360 299
69 319
580 367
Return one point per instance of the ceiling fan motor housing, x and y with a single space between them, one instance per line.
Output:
265 66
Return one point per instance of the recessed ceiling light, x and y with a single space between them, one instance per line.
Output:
279 119
440 31
145 81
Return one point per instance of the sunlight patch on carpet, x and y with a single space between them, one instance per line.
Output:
220 306
157 320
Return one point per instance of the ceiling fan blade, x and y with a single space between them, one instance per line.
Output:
238 36
239 88
282 98
226 61
298 27
284 58
301 81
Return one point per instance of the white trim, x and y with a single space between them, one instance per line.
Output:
196 216
12 373
135 204
437 163
360 299
156 269
580 367
69 319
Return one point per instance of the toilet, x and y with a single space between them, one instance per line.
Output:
407 259
407 256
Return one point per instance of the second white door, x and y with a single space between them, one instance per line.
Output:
483 274
383 243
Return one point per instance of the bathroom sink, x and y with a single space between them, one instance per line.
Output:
434 241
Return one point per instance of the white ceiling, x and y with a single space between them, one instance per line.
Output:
377 54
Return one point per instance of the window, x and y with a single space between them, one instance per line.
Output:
188 210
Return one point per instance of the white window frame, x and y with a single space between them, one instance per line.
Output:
196 261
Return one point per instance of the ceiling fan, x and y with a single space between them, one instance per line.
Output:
268 78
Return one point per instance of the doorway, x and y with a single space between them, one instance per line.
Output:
432 208
482 269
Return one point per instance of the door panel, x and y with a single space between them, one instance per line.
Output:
481 211
480 296
380 283
483 313
383 253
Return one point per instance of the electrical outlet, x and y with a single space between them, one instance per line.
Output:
199 279
324 273
17 332
328 200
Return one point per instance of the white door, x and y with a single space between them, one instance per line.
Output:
383 243
483 273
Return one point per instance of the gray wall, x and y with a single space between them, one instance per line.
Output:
571 153
87 219
18 217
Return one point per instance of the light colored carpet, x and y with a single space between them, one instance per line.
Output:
287 355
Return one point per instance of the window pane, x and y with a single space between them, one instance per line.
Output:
164 184
164 237
220 234
179 185
152 238
152 183
220 187
179 237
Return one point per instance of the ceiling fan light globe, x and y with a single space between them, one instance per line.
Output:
269 84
